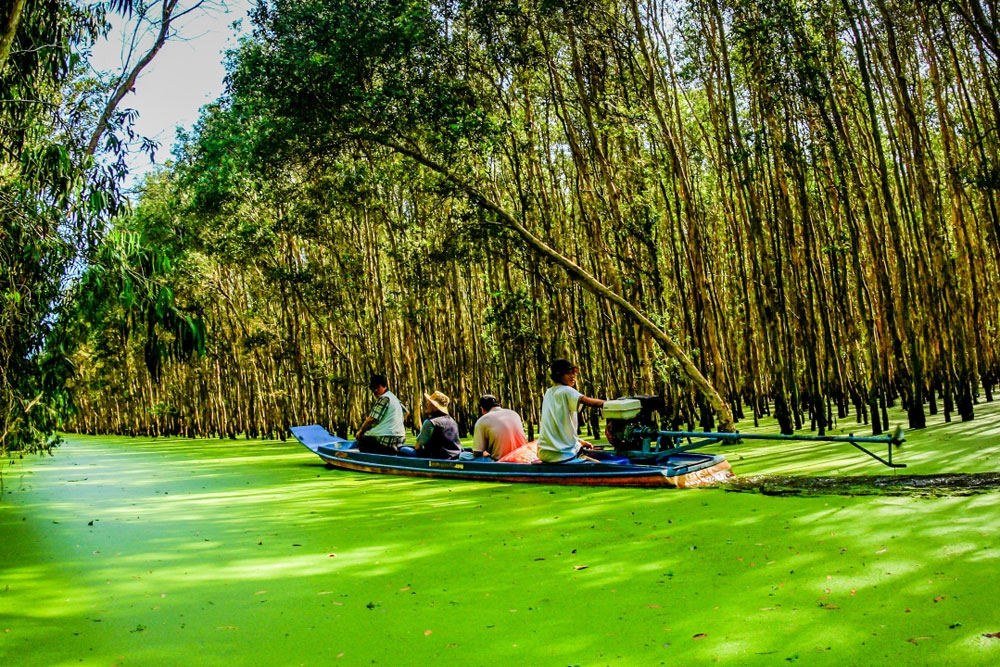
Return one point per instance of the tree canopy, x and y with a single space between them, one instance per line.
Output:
744 205
64 144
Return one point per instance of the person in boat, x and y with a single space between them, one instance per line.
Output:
383 431
557 429
498 430
438 437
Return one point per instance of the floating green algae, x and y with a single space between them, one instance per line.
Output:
163 552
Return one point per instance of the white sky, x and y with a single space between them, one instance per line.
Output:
186 74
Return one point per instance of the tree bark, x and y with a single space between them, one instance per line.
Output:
589 283
10 31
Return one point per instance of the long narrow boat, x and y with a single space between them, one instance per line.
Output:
642 454
683 469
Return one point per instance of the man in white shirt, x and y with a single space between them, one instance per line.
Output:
383 431
557 429
498 431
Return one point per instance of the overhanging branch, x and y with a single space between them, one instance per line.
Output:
589 282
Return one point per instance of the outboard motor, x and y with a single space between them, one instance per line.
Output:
624 415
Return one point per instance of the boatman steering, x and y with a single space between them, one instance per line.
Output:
557 429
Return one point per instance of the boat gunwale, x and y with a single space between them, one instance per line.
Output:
490 469
699 468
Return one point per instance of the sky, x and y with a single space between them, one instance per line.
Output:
186 74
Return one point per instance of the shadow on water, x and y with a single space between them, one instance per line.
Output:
155 552
954 484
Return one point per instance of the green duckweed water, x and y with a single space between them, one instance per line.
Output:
175 552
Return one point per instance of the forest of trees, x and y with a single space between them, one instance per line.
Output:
750 207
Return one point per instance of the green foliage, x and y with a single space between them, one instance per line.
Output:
509 320
39 176
715 162
129 290
54 199
314 76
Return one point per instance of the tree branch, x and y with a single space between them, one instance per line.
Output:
589 282
10 31
167 18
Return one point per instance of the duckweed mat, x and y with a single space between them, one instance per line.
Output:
120 551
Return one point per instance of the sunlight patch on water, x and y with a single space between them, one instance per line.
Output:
261 555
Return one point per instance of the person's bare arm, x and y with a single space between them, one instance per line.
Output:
591 402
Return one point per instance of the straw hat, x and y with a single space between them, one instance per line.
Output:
438 400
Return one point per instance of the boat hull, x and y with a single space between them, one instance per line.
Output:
682 470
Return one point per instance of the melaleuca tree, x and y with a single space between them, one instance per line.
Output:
802 193
406 78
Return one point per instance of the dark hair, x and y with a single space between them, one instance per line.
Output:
560 367
488 402
377 381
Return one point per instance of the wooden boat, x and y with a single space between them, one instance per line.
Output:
681 469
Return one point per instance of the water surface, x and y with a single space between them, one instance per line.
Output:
209 552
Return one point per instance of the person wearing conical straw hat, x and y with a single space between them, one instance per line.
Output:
438 437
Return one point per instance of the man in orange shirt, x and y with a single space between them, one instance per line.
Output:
498 431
